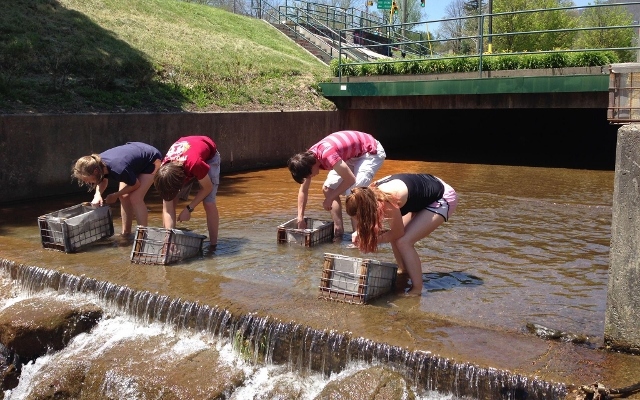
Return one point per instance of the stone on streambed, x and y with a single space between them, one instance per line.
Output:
155 367
32 327
376 383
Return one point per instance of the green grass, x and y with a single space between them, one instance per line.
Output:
148 55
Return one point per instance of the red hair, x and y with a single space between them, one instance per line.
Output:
366 204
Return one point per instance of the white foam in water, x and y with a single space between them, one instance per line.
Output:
107 333
114 330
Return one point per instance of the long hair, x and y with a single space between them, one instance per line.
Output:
85 167
169 179
300 165
366 204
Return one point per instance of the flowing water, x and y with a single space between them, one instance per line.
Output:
525 245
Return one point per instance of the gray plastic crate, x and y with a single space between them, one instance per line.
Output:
355 280
70 228
164 246
317 232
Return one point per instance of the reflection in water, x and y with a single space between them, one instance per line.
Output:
436 281
525 244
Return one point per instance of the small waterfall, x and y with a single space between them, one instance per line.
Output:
265 340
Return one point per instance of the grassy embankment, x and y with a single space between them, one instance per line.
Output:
148 55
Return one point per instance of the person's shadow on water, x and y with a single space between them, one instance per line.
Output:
226 246
438 281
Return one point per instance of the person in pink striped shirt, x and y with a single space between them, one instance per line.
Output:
352 159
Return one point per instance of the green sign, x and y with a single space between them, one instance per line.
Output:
384 4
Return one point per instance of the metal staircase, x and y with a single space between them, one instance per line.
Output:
320 29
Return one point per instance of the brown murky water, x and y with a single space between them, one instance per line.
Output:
525 245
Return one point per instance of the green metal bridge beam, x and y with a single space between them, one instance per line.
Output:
567 91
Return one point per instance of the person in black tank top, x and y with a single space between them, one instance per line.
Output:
412 206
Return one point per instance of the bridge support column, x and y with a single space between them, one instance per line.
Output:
622 320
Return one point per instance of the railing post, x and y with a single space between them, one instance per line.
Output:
339 58
480 39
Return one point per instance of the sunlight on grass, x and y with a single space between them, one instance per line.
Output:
185 56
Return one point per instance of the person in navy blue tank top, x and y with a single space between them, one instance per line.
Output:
400 209
132 165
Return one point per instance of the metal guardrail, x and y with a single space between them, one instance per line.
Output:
325 22
353 35
483 41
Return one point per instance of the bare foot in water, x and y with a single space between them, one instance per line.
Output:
414 291
337 234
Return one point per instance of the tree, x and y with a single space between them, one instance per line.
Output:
602 17
452 32
540 20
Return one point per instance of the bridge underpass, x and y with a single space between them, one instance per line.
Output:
555 119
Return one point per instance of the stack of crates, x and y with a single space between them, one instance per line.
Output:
624 93
164 246
317 232
355 280
70 228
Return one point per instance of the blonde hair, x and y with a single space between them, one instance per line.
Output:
366 204
85 167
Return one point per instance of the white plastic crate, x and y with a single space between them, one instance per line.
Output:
164 246
317 232
624 93
70 228
355 280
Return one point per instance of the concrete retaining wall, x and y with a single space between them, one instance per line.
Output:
37 151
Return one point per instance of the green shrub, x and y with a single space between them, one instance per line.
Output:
490 62
385 68
464 64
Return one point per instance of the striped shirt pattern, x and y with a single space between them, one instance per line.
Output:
343 145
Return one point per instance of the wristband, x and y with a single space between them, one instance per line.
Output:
189 208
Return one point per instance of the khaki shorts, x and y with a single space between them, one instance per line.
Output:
214 175
364 168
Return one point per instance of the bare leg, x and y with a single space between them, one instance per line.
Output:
336 215
136 199
126 211
420 226
213 222
169 213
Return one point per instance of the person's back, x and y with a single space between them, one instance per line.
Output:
343 145
352 158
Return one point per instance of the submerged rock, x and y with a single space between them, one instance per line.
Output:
136 367
376 383
32 327
556 334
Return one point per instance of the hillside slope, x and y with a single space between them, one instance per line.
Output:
74 56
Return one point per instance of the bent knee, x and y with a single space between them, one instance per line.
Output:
404 243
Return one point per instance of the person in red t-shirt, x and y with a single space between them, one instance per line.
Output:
189 159
352 159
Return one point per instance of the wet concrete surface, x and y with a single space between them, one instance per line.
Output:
525 245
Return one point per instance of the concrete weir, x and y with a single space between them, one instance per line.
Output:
303 348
